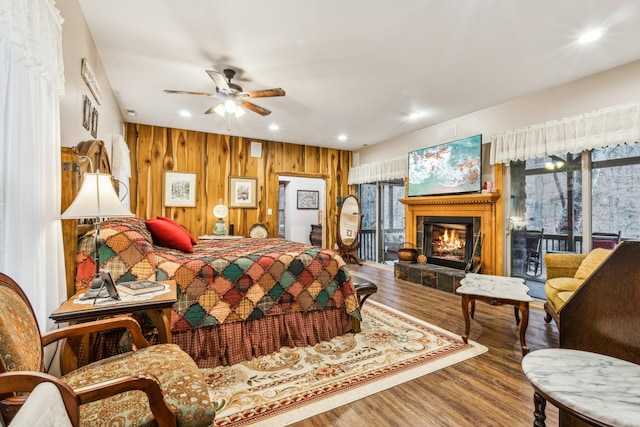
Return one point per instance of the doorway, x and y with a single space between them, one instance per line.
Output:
296 217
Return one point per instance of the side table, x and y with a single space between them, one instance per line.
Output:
495 290
596 389
157 308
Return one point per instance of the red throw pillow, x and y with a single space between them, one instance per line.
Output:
193 239
166 234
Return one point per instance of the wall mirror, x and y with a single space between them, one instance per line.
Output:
349 228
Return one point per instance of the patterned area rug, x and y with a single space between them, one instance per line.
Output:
297 383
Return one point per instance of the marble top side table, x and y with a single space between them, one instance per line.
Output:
495 290
596 389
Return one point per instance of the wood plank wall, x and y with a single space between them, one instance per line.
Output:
213 158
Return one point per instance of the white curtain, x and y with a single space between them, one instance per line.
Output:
31 84
610 126
121 167
386 170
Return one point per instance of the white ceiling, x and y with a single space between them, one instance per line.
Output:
353 67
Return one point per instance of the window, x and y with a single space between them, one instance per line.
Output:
573 198
382 220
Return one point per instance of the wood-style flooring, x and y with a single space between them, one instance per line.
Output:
487 390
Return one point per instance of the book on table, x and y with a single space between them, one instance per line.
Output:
138 287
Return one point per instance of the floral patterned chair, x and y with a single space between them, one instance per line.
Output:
154 385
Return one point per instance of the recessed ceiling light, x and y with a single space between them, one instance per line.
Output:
416 115
591 35
274 126
342 137
185 113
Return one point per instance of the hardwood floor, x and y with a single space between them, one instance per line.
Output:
487 390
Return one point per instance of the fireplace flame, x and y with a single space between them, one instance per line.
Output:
450 240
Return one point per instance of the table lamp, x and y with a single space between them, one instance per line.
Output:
220 211
96 199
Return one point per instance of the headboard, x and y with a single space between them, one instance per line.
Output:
73 167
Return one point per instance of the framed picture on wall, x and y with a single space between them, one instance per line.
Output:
94 123
243 192
308 199
86 112
179 189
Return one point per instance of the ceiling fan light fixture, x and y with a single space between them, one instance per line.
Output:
220 110
239 111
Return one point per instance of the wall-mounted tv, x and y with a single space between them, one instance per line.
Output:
451 168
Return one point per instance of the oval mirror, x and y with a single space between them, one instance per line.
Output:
349 228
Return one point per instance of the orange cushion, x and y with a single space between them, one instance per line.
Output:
193 239
169 235
591 263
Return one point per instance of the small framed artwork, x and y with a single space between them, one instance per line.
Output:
86 112
94 123
308 199
179 189
243 192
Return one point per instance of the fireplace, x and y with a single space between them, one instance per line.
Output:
448 241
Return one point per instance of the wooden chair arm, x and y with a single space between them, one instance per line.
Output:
97 326
163 414
26 381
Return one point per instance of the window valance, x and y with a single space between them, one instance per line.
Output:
386 170
610 126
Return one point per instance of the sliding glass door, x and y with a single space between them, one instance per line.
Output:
382 220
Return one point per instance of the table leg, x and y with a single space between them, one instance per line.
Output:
524 309
539 405
159 318
467 318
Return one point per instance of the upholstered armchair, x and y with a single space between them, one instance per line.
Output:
566 272
153 385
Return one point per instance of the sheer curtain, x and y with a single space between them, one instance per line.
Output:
385 170
31 84
610 126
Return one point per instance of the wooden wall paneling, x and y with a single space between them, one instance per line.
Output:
131 133
69 180
216 157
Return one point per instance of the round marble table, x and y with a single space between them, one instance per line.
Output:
599 390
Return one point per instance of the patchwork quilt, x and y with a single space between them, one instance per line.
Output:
223 280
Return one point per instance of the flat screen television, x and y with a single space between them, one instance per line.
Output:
451 168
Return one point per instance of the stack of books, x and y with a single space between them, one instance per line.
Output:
139 287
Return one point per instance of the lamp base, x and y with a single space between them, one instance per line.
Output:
220 228
102 286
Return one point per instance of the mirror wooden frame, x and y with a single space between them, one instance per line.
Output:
347 247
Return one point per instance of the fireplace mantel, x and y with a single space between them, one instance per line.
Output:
487 206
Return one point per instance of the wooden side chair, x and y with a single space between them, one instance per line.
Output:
153 385
258 231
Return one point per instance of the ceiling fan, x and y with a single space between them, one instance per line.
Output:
232 95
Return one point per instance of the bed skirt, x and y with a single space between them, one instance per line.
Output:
235 342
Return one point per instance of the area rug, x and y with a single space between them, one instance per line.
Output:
297 383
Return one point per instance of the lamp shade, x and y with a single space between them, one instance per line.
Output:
96 199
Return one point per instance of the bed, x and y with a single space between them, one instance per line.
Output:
237 298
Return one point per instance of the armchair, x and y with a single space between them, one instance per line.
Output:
566 272
154 385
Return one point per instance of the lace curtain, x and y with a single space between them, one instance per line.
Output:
31 84
610 126
386 170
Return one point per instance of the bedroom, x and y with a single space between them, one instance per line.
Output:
591 93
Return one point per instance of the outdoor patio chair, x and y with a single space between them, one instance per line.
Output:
605 240
533 244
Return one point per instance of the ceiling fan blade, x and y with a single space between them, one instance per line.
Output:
255 108
210 111
264 93
186 92
219 80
